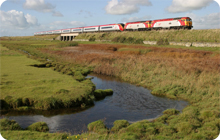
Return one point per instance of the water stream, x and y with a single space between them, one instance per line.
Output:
128 102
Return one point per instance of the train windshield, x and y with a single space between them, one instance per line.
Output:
122 25
188 19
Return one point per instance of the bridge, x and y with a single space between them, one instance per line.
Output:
68 36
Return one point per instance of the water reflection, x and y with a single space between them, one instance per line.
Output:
128 102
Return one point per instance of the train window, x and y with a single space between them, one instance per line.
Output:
89 28
107 27
64 31
77 30
176 18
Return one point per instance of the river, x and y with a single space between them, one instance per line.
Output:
128 102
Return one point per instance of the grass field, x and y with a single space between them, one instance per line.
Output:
23 85
174 72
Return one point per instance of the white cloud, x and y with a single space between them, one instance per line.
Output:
17 20
210 21
57 14
131 19
41 6
123 7
187 5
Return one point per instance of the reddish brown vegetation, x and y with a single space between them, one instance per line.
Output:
103 56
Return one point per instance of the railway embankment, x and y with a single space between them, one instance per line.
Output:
197 38
187 44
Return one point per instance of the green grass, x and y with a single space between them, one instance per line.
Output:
100 93
38 126
211 35
41 88
28 135
98 127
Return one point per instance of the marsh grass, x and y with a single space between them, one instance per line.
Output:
98 127
43 87
7 124
191 74
38 126
27 135
100 93
119 124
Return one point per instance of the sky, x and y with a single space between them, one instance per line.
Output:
25 17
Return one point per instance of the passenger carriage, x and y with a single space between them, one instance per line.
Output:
138 26
91 29
111 27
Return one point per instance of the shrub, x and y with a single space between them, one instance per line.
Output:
92 39
38 126
100 93
98 127
103 35
118 124
139 41
13 103
78 76
138 128
130 40
85 71
122 39
116 39
7 124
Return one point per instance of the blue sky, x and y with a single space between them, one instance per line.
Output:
24 17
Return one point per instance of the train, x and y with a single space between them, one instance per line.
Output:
169 23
